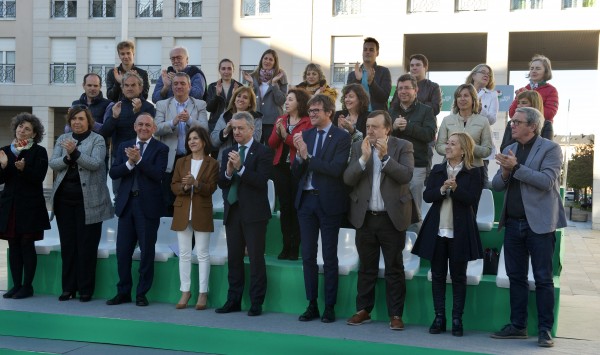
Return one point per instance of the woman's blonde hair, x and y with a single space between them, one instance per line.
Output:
534 98
238 91
467 144
474 98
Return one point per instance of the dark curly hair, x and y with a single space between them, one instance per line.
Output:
38 127
362 95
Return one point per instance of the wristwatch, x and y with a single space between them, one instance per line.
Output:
384 158
515 168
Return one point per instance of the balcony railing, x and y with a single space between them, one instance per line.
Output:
154 72
149 8
100 69
526 4
188 8
7 73
572 4
471 5
346 7
256 8
423 6
62 73
340 72
8 9
102 8
63 9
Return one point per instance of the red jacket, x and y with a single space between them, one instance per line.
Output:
549 98
276 143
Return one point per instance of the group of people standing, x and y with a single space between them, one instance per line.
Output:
366 165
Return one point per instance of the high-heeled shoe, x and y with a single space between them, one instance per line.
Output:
439 324
457 327
65 296
183 301
10 293
201 304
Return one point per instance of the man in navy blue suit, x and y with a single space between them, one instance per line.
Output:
140 164
245 170
321 201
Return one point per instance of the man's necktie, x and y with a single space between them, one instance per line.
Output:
135 186
232 196
319 142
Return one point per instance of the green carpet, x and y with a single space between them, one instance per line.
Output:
187 338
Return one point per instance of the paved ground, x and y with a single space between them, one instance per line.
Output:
577 322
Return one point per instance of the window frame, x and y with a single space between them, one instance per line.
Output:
157 8
69 71
257 13
65 14
3 10
190 8
104 8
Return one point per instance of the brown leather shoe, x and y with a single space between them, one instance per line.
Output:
361 317
183 301
396 323
202 299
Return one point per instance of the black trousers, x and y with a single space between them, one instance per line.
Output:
78 247
239 236
285 188
378 233
442 258
23 261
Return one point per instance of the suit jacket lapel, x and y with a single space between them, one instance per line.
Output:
534 150
392 148
310 140
327 138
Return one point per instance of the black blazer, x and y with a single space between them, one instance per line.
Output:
252 191
24 191
467 244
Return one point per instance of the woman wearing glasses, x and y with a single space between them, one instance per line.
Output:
81 202
449 237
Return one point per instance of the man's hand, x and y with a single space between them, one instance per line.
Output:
184 116
133 155
116 110
301 148
235 159
166 77
118 76
400 123
370 75
507 162
137 105
365 148
381 144
357 71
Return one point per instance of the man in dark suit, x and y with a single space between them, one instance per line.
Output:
245 170
322 201
140 164
530 174
379 172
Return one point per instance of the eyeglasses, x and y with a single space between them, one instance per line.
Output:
176 58
516 122
484 73
314 111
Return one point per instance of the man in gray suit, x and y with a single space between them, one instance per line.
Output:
529 173
174 117
381 207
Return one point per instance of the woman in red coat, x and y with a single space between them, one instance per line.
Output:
540 71
295 120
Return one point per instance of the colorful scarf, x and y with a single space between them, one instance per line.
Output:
534 86
266 75
18 146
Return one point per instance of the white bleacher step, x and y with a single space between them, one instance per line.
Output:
51 241
474 272
485 211
347 254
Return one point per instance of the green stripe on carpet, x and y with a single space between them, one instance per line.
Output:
186 338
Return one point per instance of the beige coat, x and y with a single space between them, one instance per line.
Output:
478 127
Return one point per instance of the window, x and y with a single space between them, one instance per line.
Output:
471 5
188 8
346 7
251 51
63 8
526 4
62 61
194 48
346 52
148 51
102 8
572 4
102 56
8 9
7 60
423 6
256 8
149 8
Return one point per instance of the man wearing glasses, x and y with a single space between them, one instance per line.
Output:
529 174
179 63
322 201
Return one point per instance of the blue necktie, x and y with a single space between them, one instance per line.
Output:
365 84
319 143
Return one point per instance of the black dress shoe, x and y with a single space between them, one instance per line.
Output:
312 312
439 324
65 296
118 299
229 306
328 315
10 293
457 327
85 298
255 310
284 255
141 301
24 292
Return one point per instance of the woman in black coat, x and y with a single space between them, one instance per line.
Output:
23 213
449 235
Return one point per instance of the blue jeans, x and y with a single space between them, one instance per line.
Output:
520 242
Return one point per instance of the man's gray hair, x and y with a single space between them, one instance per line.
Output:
187 55
244 115
533 117
130 74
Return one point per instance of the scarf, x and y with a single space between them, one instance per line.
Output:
18 146
265 75
534 86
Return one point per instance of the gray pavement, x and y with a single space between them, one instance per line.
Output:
577 330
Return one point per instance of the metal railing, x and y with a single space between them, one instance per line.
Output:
154 72
256 8
63 8
149 8
346 7
100 69
340 72
423 6
471 5
62 73
102 8
188 8
7 73
8 9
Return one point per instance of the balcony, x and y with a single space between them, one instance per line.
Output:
471 5
7 73
416 6
8 9
63 9
154 72
516 5
149 8
100 69
252 8
102 8
62 73
188 8
346 7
